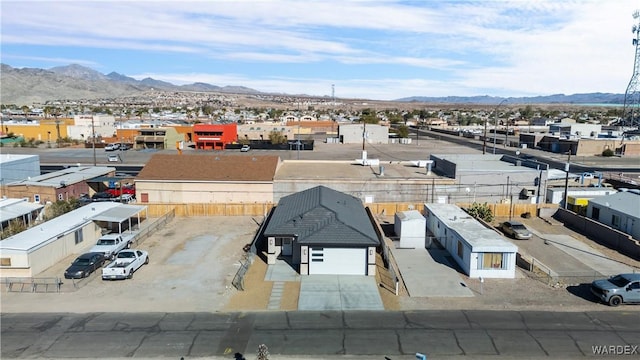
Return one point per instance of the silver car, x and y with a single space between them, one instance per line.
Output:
623 288
515 230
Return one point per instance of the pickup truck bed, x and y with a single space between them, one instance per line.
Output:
125 264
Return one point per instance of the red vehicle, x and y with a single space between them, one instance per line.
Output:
131 190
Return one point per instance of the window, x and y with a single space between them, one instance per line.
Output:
60 197
460 249
595 213
491 261
615 221
79 236
5 261
36 198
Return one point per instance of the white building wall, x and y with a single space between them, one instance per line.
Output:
85 125
374 134
18 167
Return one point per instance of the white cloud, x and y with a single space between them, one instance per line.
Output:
506 48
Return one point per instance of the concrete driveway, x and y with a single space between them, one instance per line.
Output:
339 292
325 292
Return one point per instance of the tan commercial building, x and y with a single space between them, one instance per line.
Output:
207 178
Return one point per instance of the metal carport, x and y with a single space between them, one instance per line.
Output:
121 214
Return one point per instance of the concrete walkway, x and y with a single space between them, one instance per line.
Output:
430 273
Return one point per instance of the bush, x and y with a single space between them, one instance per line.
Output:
481 211
607 152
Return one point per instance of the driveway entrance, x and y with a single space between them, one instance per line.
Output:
339 292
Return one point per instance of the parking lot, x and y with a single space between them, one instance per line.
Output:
193 261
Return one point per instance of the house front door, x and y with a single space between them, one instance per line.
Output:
287 248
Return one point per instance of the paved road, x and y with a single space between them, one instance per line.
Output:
370 334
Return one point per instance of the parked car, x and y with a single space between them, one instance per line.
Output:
515 230
102 196
84 265
124 147
110 245
113 158
125 264
619 289
125 198
245 148
126 189
112 147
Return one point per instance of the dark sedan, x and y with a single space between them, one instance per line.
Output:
84 265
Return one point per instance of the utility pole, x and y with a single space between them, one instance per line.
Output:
484 138
566 180
495 129
93 141
364 133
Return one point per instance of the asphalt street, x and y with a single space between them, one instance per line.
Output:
327 335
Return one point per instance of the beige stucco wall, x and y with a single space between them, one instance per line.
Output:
202 192
588 147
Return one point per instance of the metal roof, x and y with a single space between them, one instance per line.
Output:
323 216
627 202
70 175
14 208
470 230
47 232
118 214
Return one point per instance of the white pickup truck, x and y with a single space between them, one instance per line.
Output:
110 245
125 264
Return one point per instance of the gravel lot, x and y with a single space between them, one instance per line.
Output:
193 261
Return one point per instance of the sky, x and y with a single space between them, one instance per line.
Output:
378 50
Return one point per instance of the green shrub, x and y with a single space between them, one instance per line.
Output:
607 152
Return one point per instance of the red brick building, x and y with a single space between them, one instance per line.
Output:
214 136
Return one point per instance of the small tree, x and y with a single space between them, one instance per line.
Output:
607 153
481 211
402 131
276 137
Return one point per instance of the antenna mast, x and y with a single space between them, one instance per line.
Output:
631 110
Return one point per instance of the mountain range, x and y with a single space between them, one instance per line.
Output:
27 86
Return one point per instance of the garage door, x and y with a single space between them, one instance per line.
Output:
337 261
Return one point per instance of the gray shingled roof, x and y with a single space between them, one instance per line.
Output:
323 216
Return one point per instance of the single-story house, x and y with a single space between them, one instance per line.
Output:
63 184
620 211
479 251
34 250
323 231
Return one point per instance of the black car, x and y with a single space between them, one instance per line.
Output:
102 196
84 265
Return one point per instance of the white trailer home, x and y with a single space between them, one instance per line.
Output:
480 252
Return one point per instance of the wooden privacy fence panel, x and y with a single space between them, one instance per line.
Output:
261 209
208 209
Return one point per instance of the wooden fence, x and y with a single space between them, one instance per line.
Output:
262 209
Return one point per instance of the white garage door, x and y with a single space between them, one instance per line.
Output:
337 261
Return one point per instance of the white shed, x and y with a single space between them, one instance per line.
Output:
411 228
480 252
